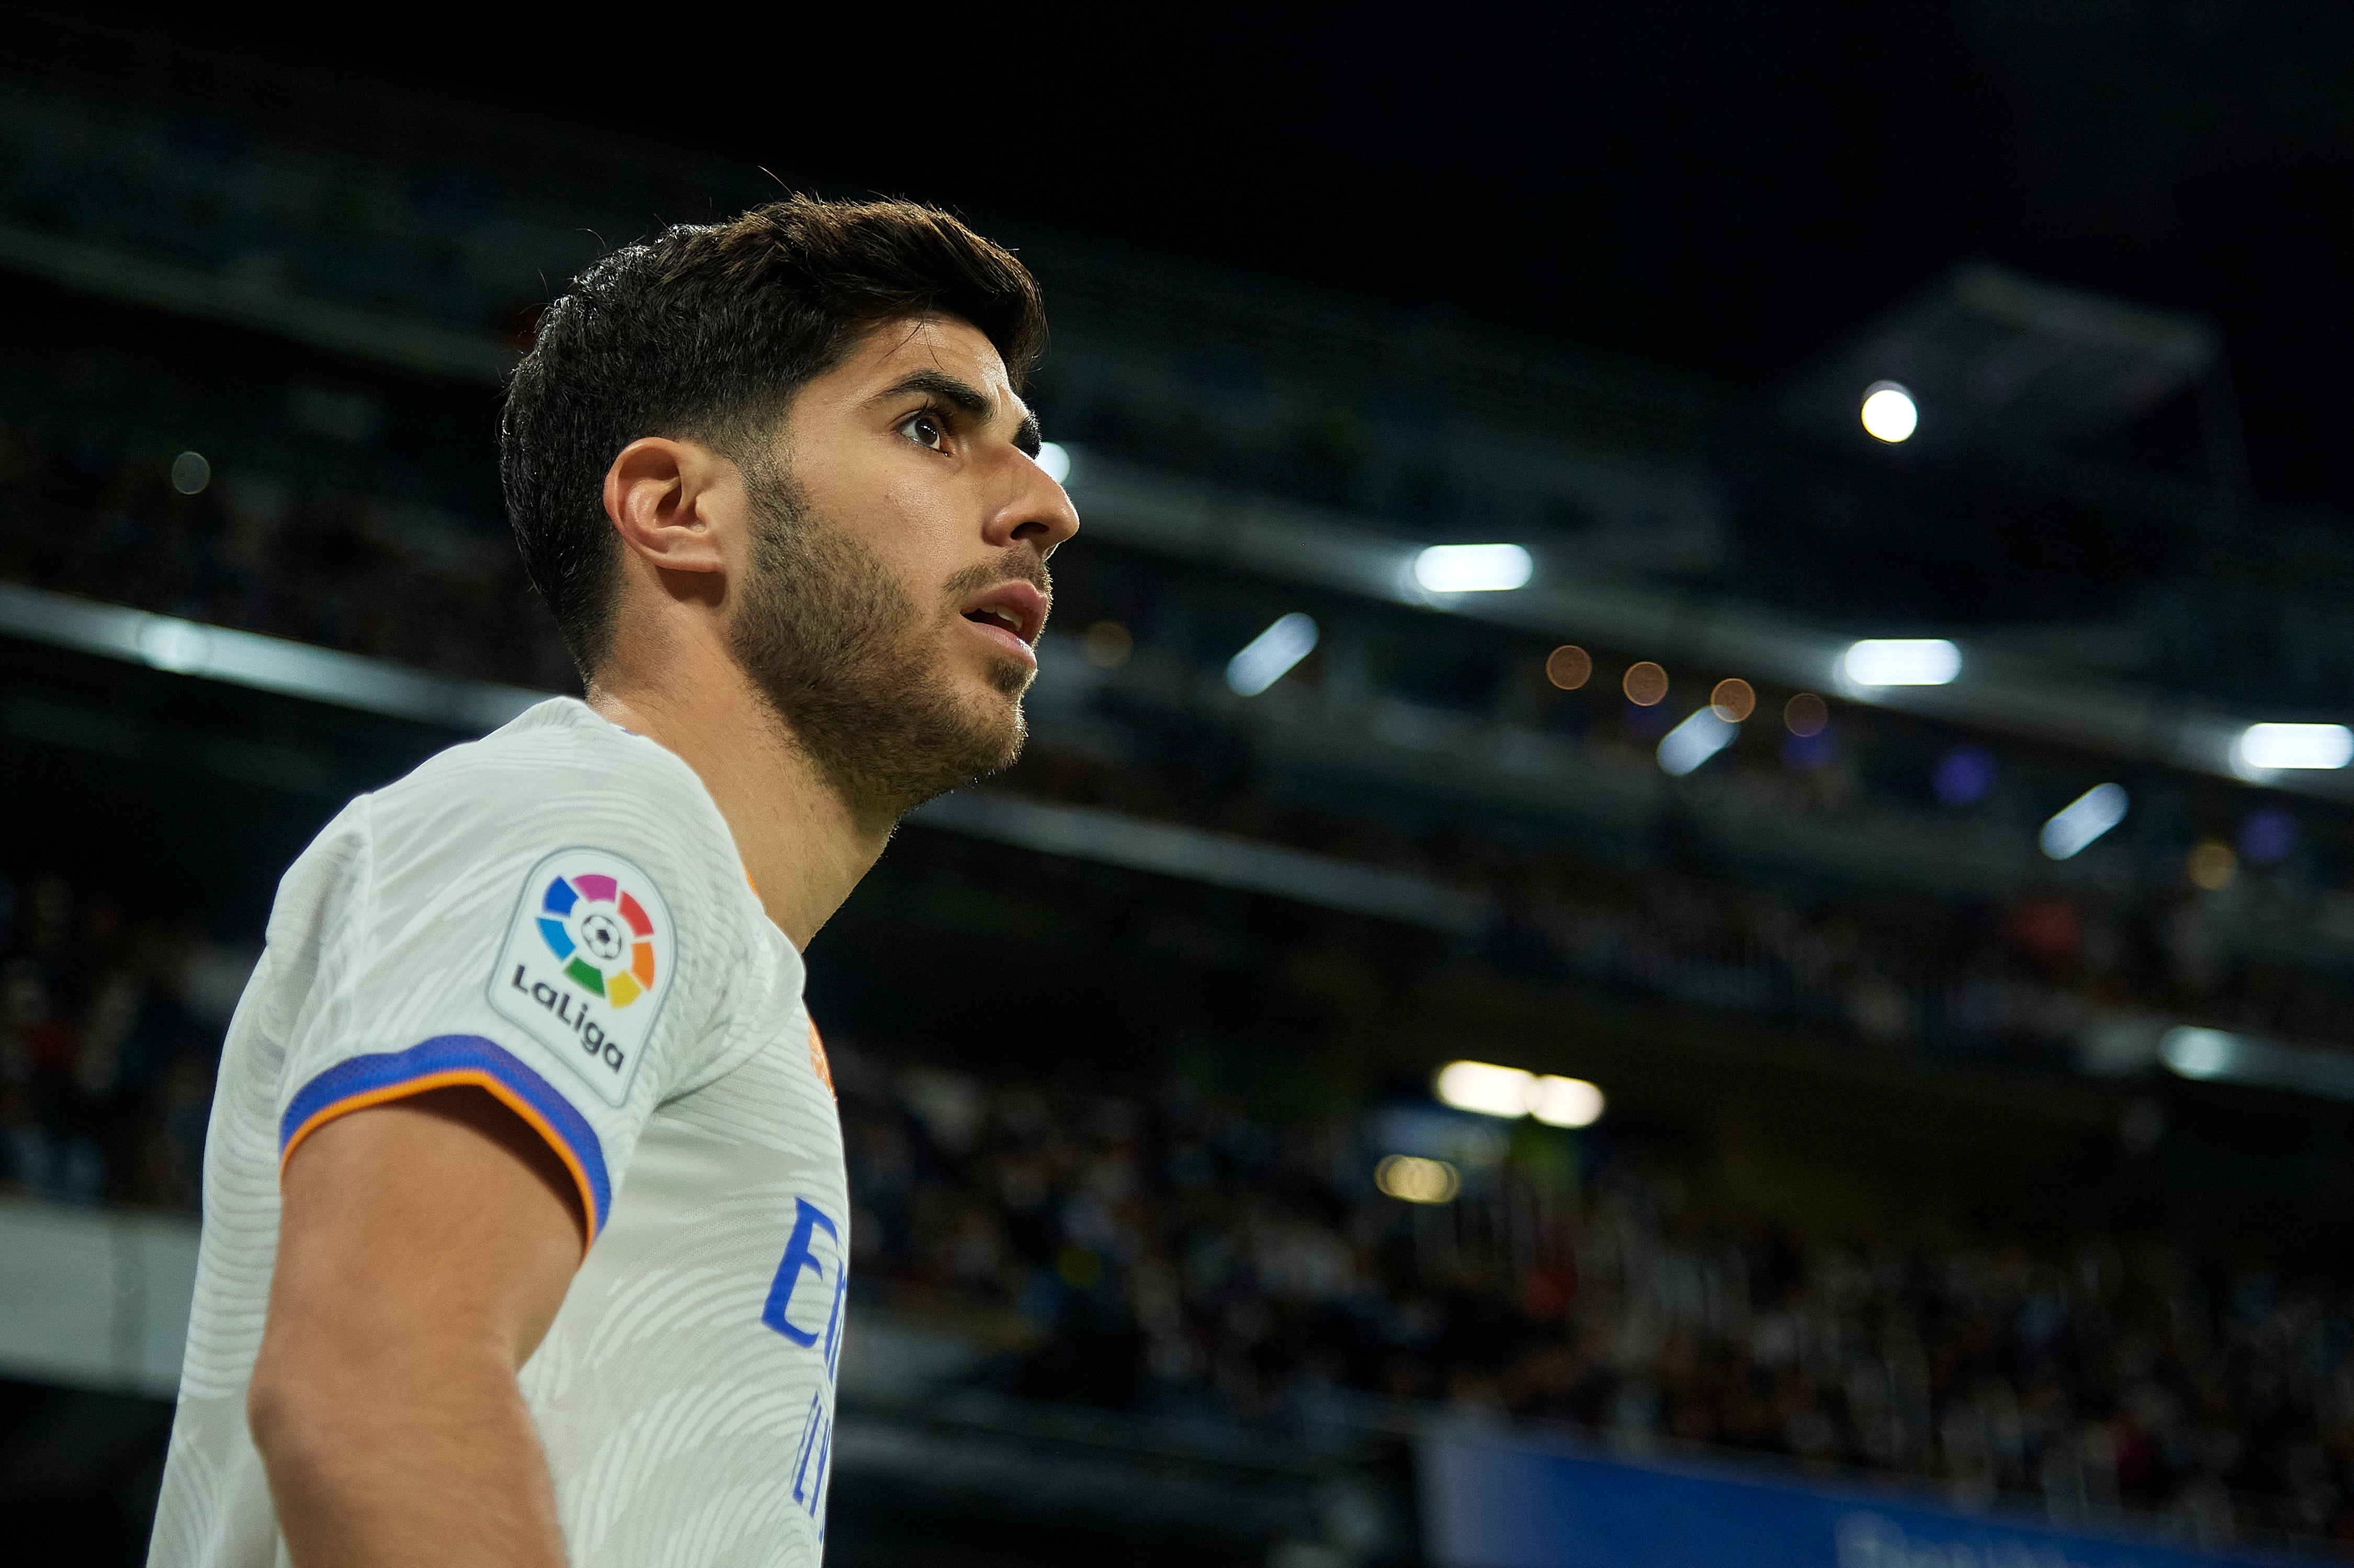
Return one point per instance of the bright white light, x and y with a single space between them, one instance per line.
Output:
1416 1179
1269 654
1566 1102
180 647
1901 662
1472 569
1509 1092
1056 459
2199 1052
1694 741
1889 414
2266 747
1484 1088
2083 819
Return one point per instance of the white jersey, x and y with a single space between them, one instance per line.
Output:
557 914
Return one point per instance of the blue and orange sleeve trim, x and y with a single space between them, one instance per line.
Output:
442 1062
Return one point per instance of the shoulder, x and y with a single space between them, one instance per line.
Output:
559 771
558 794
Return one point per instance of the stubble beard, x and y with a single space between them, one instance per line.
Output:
853 665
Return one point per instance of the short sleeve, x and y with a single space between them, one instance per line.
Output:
550 935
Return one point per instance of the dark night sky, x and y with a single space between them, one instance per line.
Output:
1727 188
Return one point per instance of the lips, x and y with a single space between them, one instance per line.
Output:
1012 613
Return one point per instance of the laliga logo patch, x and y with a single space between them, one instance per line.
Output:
587 962
603 933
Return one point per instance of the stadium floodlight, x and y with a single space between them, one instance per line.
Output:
1055 458
1264 659
1900 661
1566 1102
2269 746
2200 1053
1473 569
1416 1180
1694 741
2083 819
1889 412
1486 1088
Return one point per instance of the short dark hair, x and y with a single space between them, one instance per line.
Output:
706 332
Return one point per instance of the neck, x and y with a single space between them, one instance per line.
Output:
803 845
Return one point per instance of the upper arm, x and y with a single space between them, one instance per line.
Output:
488 1018
424 1234
529 947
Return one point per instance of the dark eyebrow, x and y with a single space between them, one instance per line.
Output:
966 399
962 396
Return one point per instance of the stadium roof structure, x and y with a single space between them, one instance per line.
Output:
1994 358
1132 506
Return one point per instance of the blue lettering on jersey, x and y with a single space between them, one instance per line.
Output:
815 1254
802 1257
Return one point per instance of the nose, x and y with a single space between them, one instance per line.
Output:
1035 510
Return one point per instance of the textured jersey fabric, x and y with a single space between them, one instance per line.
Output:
555 913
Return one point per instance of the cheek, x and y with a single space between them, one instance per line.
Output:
919 537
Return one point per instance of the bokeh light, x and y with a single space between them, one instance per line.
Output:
1734 700
1473 569
1109 644
1889 412
2269 747
1485 1087
1901 662
1964 775
1646 684
1415 1180
1699 737
2211 866
191 473
2083 819
1569 666
1267 657
2268 835
1566 1102
1806 714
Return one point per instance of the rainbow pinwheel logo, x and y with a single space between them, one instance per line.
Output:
601 934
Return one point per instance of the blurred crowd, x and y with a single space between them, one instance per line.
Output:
2029 981
110 1030
402 581
1164 1252
1169 1253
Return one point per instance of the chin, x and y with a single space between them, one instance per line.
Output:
1006 734
1010 677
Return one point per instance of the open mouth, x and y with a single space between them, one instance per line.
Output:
1012 613
997 616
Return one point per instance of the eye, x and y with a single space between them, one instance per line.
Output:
926 429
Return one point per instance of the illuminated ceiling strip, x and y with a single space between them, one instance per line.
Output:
374 685
2213 1056
1085 832
264 663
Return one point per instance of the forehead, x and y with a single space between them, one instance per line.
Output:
891 351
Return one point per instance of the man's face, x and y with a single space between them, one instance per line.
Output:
896 577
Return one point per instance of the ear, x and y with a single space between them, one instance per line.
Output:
659 495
